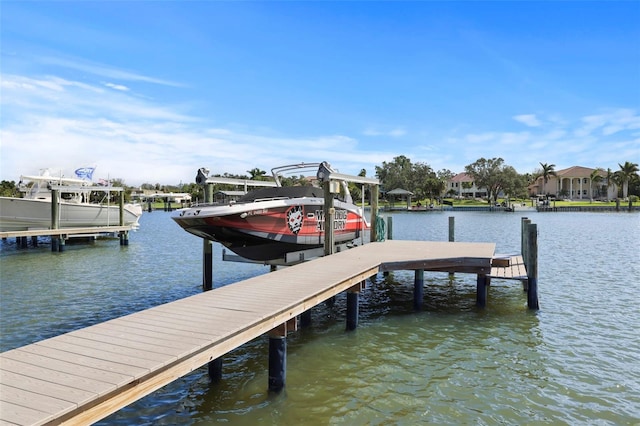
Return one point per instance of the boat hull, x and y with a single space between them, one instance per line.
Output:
19 214
263 231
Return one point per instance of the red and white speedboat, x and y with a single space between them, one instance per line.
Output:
267 223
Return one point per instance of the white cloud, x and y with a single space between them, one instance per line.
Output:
394 133
53 122
50 122
117 87
609 123
105 70
528 119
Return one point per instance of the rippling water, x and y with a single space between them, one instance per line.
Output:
575 361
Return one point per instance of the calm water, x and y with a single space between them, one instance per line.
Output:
576 361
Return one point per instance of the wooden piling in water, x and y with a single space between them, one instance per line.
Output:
215 370
374 212
277 362
329 212
55 218
352 310
452 231
207 264
305 319
532 266
353 299
481 290
418 289
452 238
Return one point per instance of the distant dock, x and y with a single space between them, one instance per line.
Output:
60 235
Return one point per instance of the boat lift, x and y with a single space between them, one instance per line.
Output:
331 182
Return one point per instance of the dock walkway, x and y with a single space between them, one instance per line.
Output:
90 230
85 375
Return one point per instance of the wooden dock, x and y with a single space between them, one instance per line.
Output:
60 235
85 375
508 268
90 230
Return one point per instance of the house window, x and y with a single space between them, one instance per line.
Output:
584 180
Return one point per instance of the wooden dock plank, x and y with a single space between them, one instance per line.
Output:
61 396
64 367
115 341
127 358
143 351
515 270
82 360
15 414
37 372
20 396
66 231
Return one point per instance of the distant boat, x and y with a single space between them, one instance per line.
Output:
33 210
267 223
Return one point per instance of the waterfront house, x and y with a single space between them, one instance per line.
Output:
463 186
574 183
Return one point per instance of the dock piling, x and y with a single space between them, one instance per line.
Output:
305 319
278 354
215 370
532 266
207 265
277 363
353 298
452 238
418 289
482 284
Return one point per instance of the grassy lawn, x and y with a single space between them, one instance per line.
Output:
527 202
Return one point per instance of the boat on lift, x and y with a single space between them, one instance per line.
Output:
76 208
265 224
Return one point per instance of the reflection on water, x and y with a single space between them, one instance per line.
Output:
572 362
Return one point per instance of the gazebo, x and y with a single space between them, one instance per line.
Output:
404 193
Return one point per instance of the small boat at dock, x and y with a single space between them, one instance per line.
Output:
267 223
76 208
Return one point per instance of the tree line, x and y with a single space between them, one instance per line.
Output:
493 175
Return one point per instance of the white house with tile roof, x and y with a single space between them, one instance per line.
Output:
463 186
574 183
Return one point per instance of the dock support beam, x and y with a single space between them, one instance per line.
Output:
277 363
329 212
215 370
418 289
55 218
305 319
124 238
278 355
481 287
532 266
352 310
374 193
207 265
353 296
452 236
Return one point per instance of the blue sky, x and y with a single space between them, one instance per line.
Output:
149 91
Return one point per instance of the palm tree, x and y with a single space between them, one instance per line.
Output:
548 170
625 174
609 179
595 177
256 173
